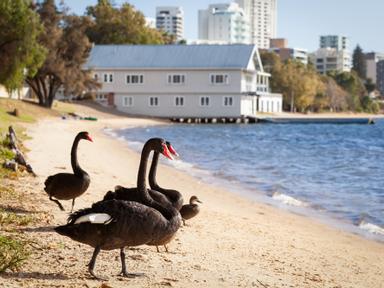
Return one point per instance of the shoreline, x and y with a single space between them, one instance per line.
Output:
280 201
232 242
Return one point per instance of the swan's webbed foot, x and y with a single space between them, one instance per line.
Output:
95 276
130 275
58 203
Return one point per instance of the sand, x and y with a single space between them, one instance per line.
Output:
233 242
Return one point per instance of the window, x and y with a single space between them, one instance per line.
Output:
153 101
179 101
101 97
228 101
96 76
135 79
219 79
127 101
176 79
108 78
204 100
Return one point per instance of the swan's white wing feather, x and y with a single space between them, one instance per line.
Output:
94 218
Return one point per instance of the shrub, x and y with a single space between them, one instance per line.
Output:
12 253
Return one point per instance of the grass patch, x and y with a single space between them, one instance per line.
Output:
10 218
8 192
13 253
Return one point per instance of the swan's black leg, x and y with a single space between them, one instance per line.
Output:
73 204
166 248
57 202
91 264
183 221
157 248
124 267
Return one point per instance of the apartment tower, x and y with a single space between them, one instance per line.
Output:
170 20
262 16
223 23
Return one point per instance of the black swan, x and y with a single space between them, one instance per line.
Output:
160 195
116 224
190 210
65 186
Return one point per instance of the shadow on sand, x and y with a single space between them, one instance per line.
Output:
34 275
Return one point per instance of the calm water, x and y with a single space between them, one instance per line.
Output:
334 171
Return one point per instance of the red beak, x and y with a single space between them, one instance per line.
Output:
172 150
89 138
166 152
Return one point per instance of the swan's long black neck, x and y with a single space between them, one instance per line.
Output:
75 164
152 173
172 195
167 211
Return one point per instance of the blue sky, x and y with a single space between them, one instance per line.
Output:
300 21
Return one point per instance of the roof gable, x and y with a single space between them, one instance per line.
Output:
171 56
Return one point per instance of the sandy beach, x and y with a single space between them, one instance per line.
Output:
233 242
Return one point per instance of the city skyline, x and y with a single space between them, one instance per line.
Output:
301 22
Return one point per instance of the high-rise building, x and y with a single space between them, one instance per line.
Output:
334 41
331 59
225 23
170 20
371 60
280 47
262 16
333 54
380 76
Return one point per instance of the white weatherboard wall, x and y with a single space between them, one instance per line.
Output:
155 84
270 103
208 80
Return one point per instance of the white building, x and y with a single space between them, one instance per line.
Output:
262 16
225 23
170 20
280 47
334 41
371 60
331 59
183 80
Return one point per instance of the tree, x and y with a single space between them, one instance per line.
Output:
354 87
336 96
123 25
369 85
358 62
20 53
298 83
68 46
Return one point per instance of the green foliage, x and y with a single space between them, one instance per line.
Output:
65 39
354 87
369 85
299 84
358 62
370 105
12 253
124 25
6 154
20 53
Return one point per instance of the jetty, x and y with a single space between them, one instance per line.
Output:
317 120
273 120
